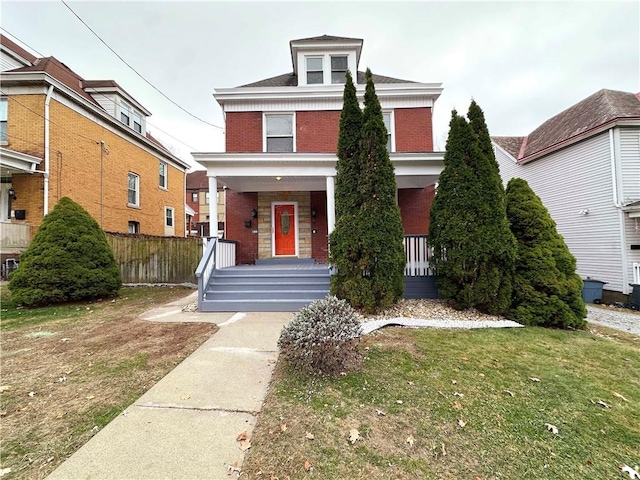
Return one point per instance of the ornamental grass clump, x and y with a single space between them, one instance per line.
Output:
322 337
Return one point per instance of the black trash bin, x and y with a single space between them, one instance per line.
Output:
592 290
634 301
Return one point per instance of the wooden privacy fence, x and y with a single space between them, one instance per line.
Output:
147 259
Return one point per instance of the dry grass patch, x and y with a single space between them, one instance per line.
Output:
69 370
435 404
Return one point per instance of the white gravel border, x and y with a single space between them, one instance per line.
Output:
368 327
619 318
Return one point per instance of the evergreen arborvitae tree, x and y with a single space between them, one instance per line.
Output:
367 244
68 259
348 168
473 248
547 291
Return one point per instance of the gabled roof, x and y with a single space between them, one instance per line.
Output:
197 180
291 80
327 38
597 110
14 47
60 72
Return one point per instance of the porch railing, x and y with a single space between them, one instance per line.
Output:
418 253
217 254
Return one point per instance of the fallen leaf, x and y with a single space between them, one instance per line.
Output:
602 404
354 435
411 383
62 379
456 394
241 436
509 392
309 436
615 394
552 428
481 375
63 340
380 413
633 472
307 465
457 406
245 445
399 402
461 423
410 440
4 388
3 413
283 427
233 468
343 374
271 361
186 396
90 397
454 382
534 379
32 394
4 471
444 452
60 415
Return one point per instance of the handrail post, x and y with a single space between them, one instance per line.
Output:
205 269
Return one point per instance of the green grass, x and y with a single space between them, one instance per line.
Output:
427 380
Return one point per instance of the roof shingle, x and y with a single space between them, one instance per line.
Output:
291 80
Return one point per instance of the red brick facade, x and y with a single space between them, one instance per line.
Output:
413 129
239 207
317 131
243 132
415 205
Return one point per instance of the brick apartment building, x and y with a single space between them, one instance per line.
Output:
198 199
281 140
62 135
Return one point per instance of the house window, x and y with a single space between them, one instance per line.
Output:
163 175
125 113
279 136
3 120
386 116
134 227
168 216
206 198
133 198
314 70
194 196
339 68
137 122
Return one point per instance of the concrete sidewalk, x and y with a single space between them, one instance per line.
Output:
185 427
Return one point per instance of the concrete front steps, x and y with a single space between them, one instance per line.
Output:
273 285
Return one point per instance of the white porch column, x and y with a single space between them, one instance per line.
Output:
213 207
331 204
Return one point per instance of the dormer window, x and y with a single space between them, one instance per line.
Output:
137 122
315 73
125 113
339 67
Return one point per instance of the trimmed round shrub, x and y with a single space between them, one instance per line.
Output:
322 337
68 259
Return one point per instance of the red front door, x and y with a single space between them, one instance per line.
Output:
285 229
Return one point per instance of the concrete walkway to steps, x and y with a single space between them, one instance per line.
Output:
185 427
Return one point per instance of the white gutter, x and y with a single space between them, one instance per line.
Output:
46 149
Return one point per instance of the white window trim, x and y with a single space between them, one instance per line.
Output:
264 128
5 141
326 66
137 203
131 111
166 175
135 224
173 217
392 127
306 69
273 228
336 55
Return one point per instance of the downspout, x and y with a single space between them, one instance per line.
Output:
618 204
46 149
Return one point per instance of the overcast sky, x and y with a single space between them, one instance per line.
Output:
522 62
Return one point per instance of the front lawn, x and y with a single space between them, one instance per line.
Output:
68 370
436 404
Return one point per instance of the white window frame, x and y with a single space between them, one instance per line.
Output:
331 57
134 117
133 226
194 197
126 109
264 129
163 176
207 198
4 120
171 217
390 133
307 71
135 176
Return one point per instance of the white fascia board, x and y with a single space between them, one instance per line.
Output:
18 160
102 117
17 57
223 95
122 93
324 46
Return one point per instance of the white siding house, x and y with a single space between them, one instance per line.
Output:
584 164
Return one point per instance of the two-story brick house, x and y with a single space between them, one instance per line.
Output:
198 199
281 140
62 135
